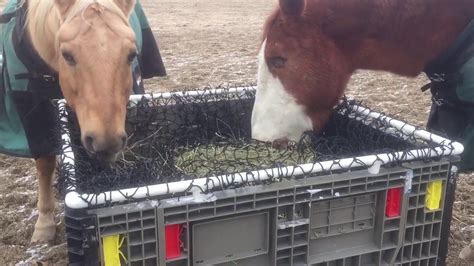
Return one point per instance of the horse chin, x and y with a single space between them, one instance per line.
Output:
104 157
107 158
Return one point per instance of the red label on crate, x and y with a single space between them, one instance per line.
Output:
173 249
392 207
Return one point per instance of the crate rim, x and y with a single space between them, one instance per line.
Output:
75 200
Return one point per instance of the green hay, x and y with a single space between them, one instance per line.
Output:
214 159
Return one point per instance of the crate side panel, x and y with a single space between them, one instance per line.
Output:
230 239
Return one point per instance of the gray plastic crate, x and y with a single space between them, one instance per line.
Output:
328 219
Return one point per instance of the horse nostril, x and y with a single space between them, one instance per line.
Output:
281 143
104 146
89 142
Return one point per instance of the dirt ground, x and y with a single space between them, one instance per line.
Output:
213 42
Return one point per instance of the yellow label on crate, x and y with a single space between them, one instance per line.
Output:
111 249
434 192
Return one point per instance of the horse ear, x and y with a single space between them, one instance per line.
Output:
292 7
126 6
63 6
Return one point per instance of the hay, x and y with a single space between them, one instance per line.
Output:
238 156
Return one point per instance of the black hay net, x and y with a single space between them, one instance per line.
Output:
184 136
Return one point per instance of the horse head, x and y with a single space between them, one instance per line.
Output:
95 47
310 49
301 76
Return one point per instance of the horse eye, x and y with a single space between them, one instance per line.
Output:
69 58
277 61
132 56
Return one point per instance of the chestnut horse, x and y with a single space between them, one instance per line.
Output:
91 45
311 48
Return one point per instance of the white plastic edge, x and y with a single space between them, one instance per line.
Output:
165 95
75 200
68 152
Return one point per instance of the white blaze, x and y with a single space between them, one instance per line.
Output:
276 114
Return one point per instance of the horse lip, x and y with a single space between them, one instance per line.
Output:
106 157
281 143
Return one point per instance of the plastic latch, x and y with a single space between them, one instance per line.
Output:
198 196
392 206
434 192
111 250
375 168
172 241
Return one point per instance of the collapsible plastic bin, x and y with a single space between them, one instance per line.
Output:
333 211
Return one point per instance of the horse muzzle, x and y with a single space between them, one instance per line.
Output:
105 148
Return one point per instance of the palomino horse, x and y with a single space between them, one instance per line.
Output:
91 46
311 48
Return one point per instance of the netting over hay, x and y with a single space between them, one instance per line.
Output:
185 136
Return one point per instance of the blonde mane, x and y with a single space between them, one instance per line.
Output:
81 5
43 21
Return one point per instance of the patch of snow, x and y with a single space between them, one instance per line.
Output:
468 228
25 193
25 179
34 213
21 209
35 253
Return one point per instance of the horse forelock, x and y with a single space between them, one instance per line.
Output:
44 20
40 11
98 6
